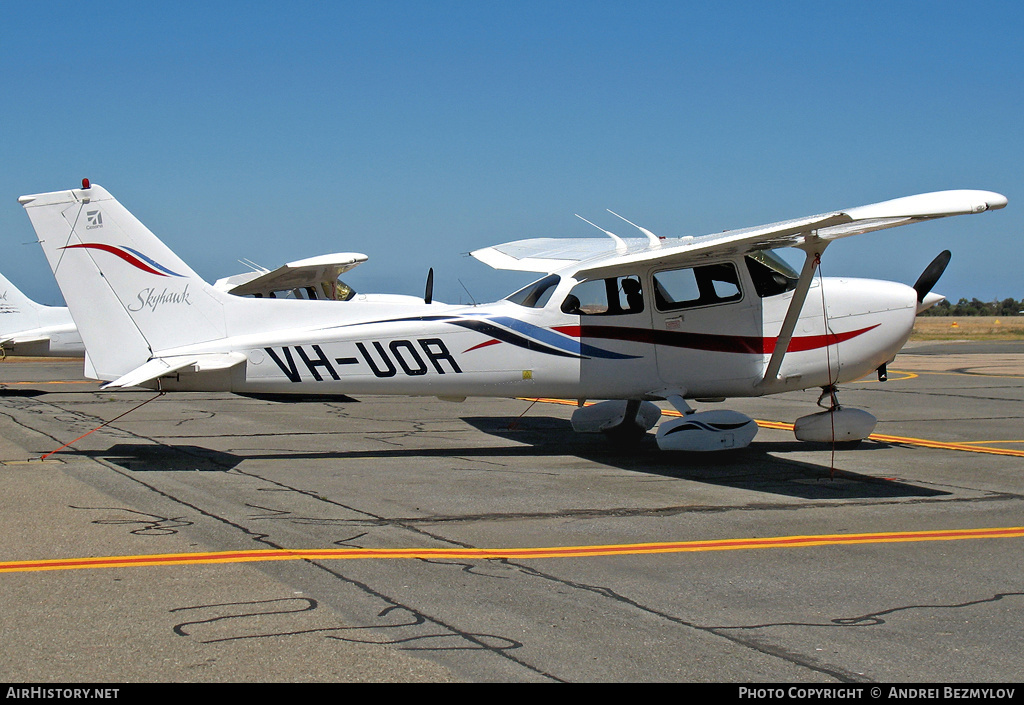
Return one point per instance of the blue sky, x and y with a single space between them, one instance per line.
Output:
417 131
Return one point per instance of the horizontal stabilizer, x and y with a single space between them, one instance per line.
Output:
24 340
25 345
160 366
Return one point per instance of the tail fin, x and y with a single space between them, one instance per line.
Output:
130 295
17 311
20 321
29 328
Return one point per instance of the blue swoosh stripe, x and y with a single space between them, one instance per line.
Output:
152 262
557 340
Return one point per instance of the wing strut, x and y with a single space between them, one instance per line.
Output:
813 248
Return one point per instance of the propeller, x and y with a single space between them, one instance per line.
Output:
428 294
930 275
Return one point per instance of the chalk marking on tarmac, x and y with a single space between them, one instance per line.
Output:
331 554
968 446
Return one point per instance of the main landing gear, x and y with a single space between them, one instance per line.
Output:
701 431
623 422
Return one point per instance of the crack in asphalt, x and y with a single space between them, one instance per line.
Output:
477 641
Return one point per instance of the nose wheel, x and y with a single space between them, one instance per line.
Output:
842 426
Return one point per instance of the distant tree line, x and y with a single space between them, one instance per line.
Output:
975 307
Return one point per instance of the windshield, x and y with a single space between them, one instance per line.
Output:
773 261
771 274
537 294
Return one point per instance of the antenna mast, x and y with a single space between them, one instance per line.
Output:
620 244
654 239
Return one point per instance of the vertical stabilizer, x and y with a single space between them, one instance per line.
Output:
128 293
17 311
30 328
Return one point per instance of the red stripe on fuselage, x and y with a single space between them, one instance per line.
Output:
744 344
482 345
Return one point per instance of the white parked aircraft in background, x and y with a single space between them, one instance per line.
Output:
628 321
28 328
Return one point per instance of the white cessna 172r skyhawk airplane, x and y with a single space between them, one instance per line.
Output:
628 321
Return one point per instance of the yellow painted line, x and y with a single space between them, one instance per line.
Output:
985 375
55 381
333 554
925 443
987 442
968 446
906 376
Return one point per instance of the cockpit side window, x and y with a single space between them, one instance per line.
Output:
696 286
613 296
337 290
535 295
327 291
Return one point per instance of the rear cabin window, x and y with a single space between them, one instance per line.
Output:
696 286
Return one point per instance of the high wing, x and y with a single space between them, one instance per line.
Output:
301 274
597 257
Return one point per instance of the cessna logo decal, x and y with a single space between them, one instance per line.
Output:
148 298
94 219
132 257
412 358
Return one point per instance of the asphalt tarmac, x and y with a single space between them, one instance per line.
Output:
214 538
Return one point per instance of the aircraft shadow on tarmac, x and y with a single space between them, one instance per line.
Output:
7 392
166 458
753 468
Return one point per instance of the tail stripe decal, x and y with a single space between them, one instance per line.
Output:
154 263
130 256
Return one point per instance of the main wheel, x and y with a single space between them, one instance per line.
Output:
626 435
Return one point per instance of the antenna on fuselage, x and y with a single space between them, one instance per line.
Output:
620 244
654 239
253 266
470 295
